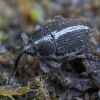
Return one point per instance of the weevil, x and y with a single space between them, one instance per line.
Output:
58 39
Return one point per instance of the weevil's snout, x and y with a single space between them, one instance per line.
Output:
18 58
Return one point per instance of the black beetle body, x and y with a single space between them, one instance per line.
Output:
61 38
57 39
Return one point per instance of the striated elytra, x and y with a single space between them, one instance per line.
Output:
57 39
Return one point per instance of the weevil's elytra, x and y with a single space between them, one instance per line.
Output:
57 39
68 34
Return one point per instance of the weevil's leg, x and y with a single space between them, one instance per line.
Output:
57 66
43 66
87 56
71 57
91 58
54 64
90 67
93 70
63 79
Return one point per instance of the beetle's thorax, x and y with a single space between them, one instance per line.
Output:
43 43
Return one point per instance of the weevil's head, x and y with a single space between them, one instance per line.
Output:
27 48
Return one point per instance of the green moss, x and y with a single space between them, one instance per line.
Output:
34 14
1 22
3 37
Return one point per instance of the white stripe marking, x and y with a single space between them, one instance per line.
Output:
45 38
68 29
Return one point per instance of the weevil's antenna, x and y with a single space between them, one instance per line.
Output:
4 52
16 63
12 78
24 37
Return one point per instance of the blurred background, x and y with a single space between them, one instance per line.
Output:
17 16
